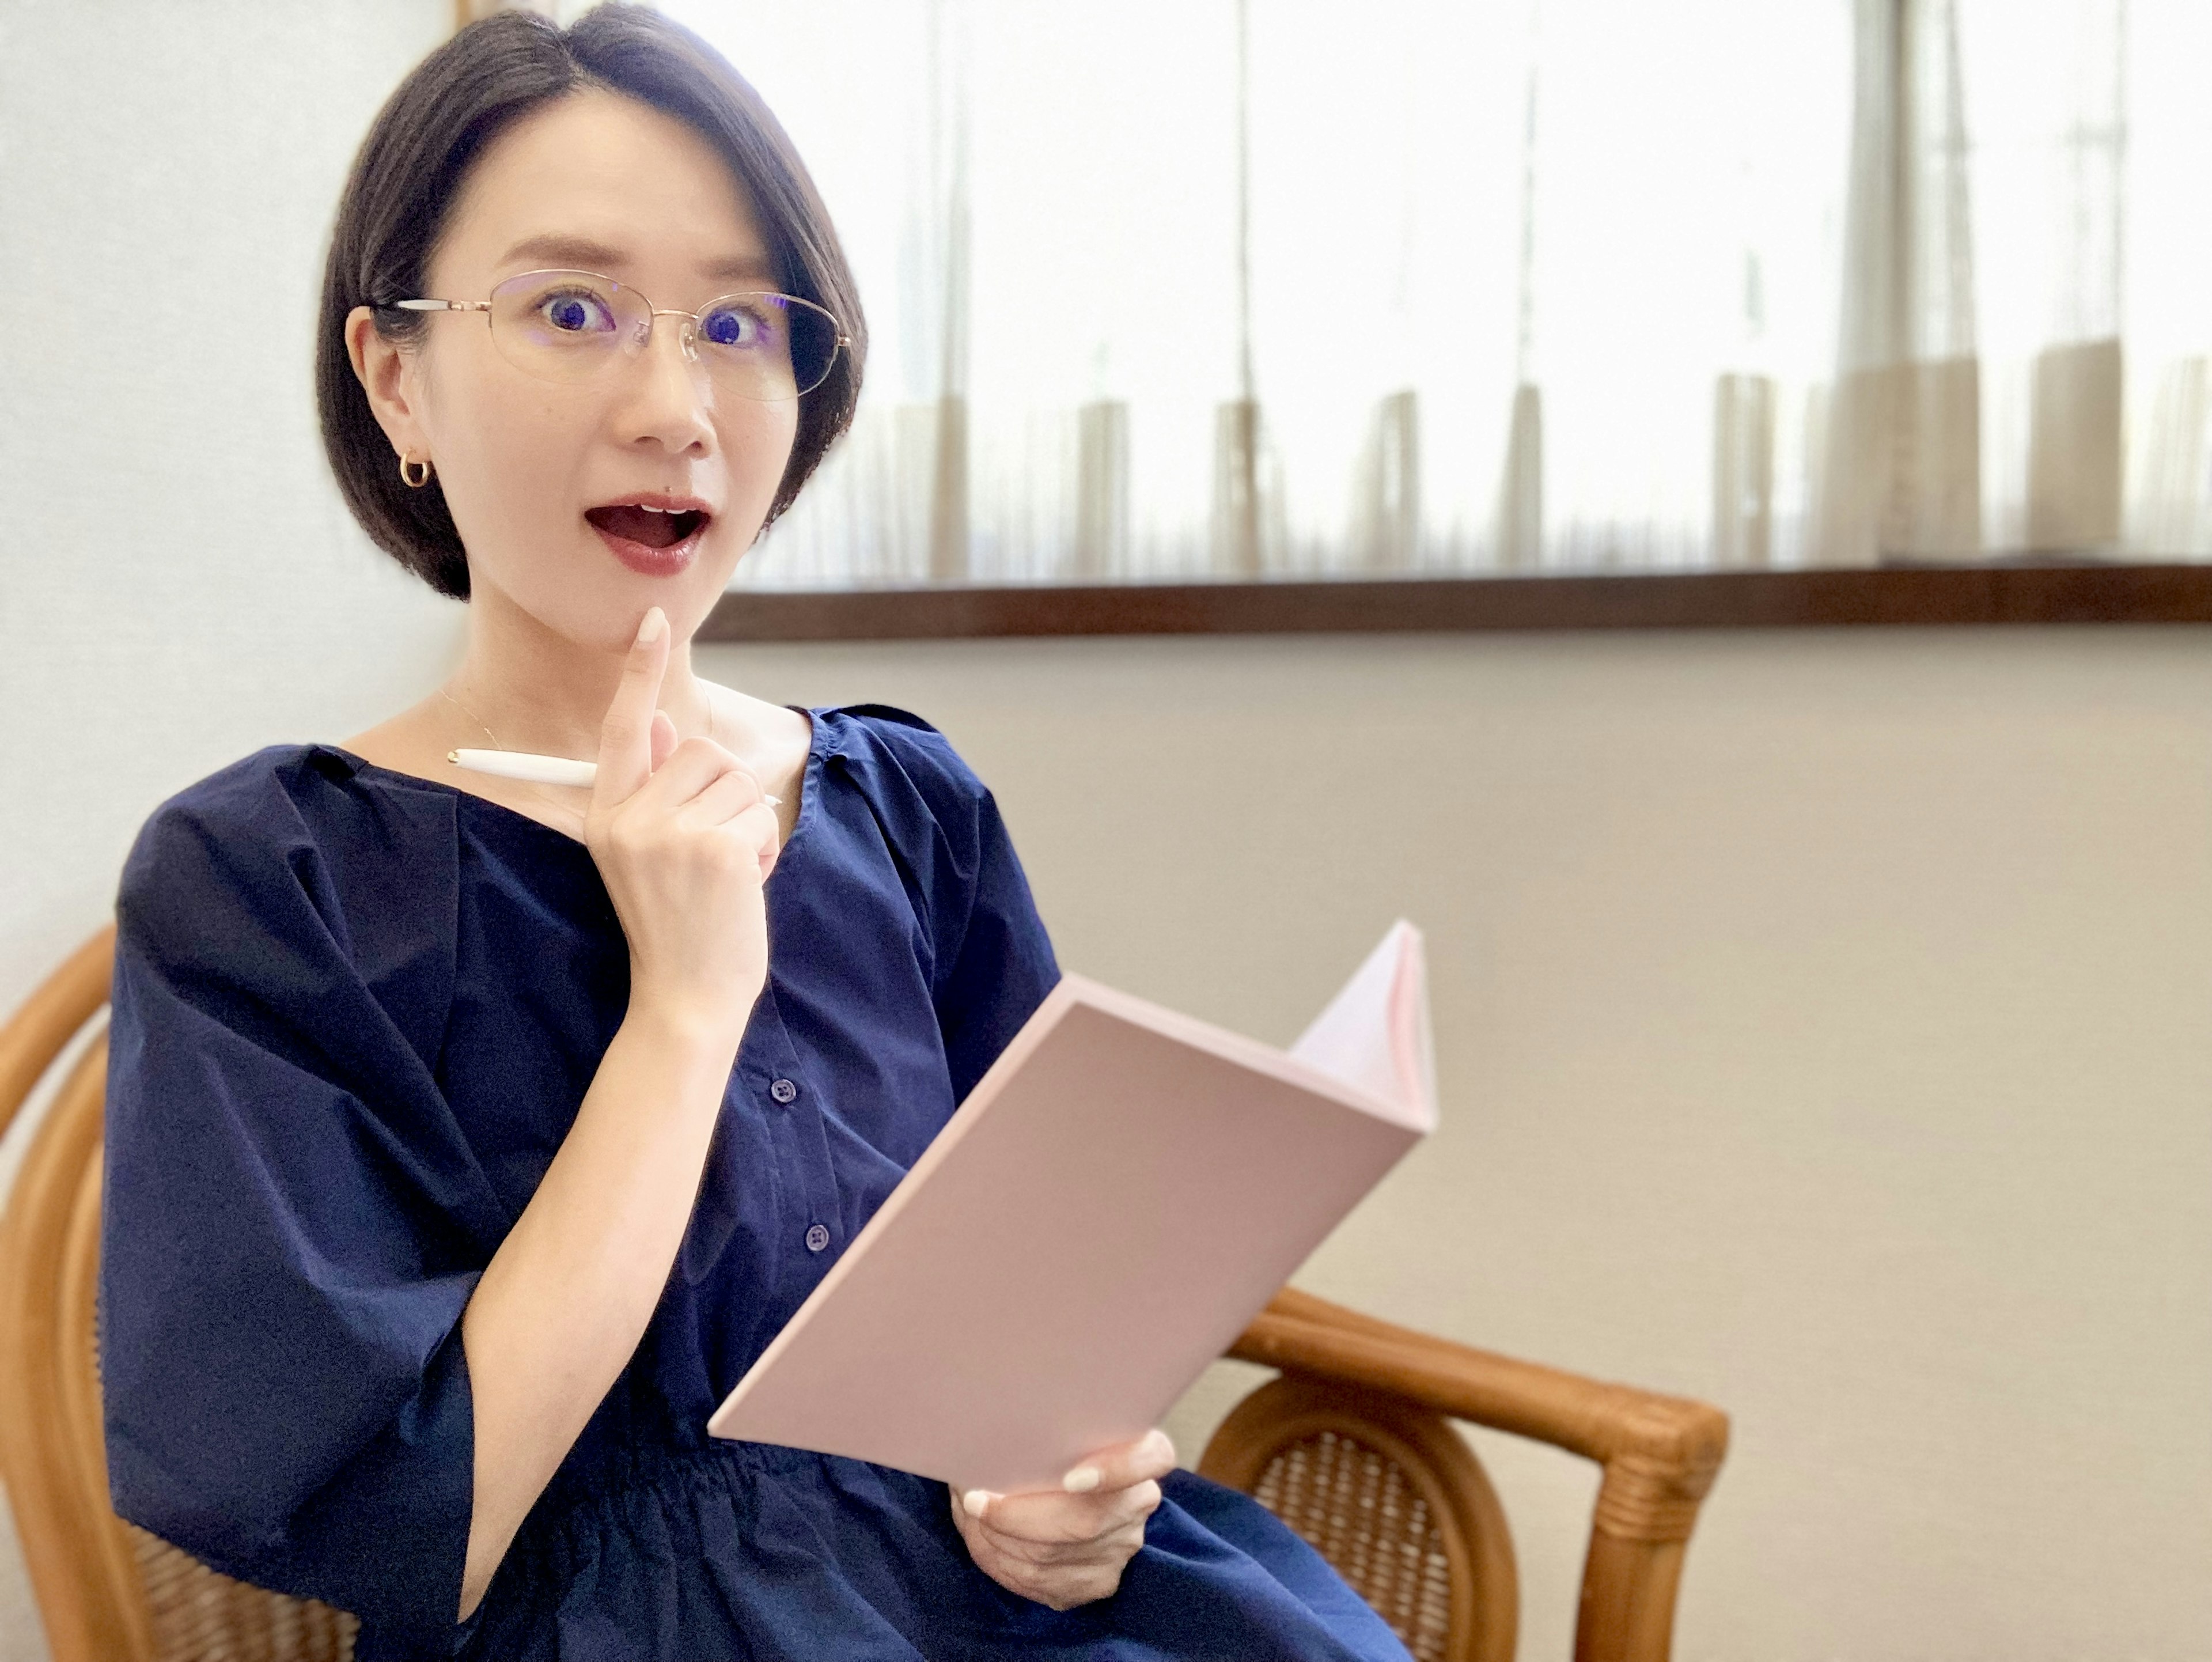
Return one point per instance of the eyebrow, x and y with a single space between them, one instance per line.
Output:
582 253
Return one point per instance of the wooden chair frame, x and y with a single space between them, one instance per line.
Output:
74 1547
1660 1454
111 1592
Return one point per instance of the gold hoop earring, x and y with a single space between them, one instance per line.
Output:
405 463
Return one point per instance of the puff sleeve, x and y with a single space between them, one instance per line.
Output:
1001 962
292 1221
991 960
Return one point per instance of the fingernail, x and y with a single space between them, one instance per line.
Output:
1082 1480
975 1500
648 630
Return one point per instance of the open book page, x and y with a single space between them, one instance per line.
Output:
1375 1034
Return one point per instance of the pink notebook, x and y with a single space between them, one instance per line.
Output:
1115 1201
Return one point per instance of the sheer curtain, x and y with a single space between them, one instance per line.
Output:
1247 288
2093 138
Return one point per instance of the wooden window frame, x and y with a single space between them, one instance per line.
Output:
2055 593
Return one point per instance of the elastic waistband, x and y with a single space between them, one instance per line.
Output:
614 1479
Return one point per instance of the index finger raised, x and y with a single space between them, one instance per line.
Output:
626 735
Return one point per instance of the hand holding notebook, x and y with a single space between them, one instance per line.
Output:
1115 1201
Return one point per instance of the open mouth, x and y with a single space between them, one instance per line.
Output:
654 528
657 538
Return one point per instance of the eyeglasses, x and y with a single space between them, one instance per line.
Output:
577 325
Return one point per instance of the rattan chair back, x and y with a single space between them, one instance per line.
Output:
1393 1497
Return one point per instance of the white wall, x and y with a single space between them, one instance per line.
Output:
179 580
1821 1016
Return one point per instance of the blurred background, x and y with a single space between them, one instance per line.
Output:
1821 1015
1269 288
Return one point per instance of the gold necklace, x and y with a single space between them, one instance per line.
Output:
473 716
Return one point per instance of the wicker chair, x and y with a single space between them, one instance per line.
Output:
1350 1444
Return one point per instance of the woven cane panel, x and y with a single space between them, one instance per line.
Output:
1359 1510
202 1616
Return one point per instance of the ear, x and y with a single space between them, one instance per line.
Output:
385 372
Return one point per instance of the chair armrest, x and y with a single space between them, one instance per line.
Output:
1660 1453
1600 1421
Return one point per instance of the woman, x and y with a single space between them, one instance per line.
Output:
466 1140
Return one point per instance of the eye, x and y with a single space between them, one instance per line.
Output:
743 326
575 312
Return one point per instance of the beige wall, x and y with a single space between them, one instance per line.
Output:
1820 1016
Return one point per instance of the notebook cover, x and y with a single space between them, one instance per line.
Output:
1116 1200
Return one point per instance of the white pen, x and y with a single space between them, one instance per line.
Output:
537 769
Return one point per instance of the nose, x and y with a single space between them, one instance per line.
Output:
668 394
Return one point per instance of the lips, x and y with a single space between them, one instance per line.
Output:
656 535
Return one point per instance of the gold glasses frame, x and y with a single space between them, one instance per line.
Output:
689 338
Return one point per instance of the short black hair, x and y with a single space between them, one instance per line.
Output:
411 164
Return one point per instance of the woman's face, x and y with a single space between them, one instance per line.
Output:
593 182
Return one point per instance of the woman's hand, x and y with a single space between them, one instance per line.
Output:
1068 1549
683 841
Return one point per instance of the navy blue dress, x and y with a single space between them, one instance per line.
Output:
355 1014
